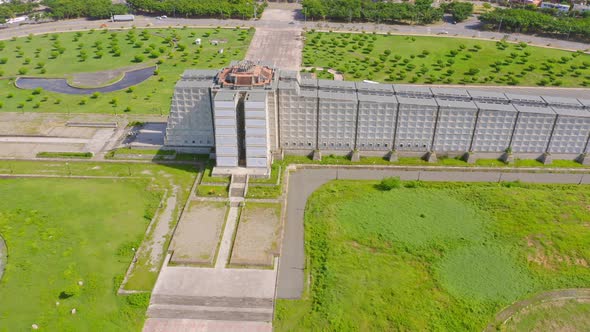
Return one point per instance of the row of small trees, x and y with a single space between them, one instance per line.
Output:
534 21
201 8
421 11
95 9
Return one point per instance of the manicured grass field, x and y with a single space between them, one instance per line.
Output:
441 60
435 256
40 56
60 232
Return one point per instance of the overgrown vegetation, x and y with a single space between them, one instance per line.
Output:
67 251
78 155
435 256
437 60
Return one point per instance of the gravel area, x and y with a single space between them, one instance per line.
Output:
257 236
197 234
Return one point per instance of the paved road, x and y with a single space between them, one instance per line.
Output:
277 44
303 182
469 28
61 85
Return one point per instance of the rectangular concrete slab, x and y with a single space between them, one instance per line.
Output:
209 282
198 233
256 242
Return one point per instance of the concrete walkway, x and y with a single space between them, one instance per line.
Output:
3 256
303 182
227 238
547 297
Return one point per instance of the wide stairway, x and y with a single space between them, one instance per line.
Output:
212 299
237 187
211 308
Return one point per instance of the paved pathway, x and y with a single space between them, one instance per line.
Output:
277 44
304 182
61 85
227 238
556 295
3 256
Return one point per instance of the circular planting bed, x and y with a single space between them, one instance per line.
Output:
61 85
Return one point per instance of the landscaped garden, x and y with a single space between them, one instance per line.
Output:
69 242
442 60
66 54
408 255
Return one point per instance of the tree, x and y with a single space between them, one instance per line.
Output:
459 10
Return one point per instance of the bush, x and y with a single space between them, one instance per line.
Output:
390 183
23 71
138 58
37 91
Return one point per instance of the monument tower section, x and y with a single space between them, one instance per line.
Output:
244 112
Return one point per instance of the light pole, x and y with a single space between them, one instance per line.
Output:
500 25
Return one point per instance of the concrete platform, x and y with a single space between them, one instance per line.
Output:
252 172
210 282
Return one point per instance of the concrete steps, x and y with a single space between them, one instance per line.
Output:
237 187
210 313
217 301
211 308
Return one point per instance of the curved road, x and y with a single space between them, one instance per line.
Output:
61 85
303 182
555 295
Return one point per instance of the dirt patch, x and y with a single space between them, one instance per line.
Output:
257 235
542 256
198 233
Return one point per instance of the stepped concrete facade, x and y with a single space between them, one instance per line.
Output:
249 112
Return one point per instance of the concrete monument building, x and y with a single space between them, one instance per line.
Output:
248 114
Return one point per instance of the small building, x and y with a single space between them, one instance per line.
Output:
559 6
581 8
123 18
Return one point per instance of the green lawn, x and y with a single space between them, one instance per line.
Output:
59 232
213 191
401 59
442 161
435 256
163 178
34 56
